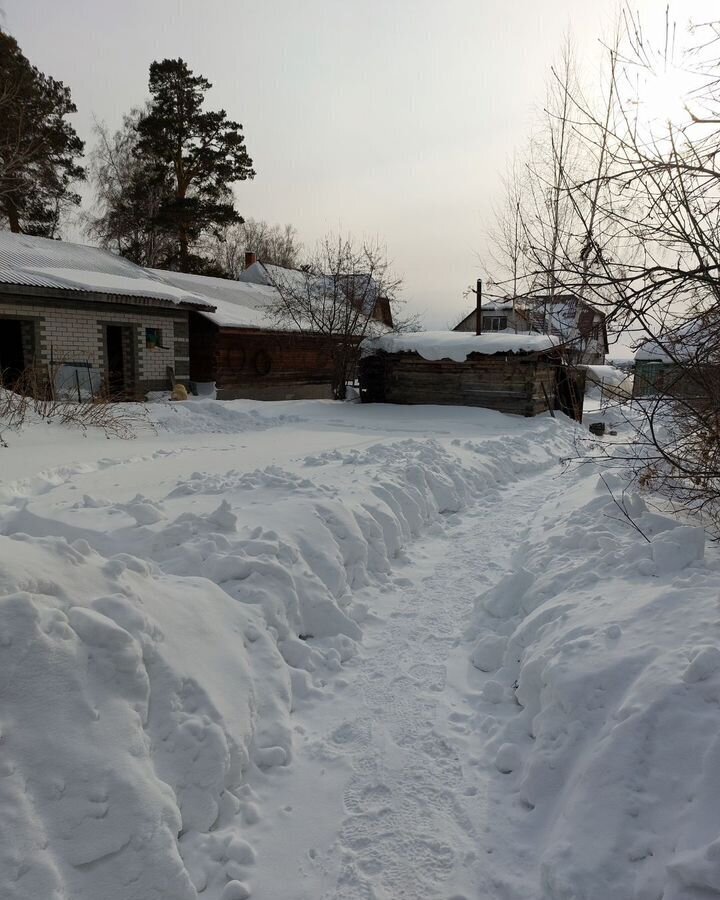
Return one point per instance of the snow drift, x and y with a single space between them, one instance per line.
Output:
604 652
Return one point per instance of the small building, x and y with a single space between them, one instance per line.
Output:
238 345
512 373
78 313
683 363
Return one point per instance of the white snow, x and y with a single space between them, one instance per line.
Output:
238 304
338 651
458 345
111 283
41 262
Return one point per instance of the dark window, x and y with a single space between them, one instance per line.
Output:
494 323
153 339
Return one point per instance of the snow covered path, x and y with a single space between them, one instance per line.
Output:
413 818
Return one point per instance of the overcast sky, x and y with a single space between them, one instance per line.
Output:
391 118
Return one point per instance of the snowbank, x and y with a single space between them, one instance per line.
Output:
458 345
602 706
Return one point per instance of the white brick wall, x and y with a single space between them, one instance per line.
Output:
77 335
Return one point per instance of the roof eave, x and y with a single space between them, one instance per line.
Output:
57 293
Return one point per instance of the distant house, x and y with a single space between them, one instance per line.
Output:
511 373
89 319
355 286
239 346
579 325
496 315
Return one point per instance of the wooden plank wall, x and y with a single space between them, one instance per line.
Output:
511 384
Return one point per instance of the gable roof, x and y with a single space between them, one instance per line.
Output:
563 315
29 261
491 307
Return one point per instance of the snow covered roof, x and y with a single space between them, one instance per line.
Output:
294 280
40 262
680 342
496 306
358 288
238 304
458 345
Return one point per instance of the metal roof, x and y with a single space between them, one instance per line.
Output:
44 263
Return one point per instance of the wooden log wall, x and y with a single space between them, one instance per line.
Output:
236 359
510 384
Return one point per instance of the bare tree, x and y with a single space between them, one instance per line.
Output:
276 245
344 292
128 197
651 255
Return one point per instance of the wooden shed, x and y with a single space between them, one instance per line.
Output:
236 347
258 364
512 373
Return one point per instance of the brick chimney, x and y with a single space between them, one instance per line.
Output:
478 307
250 258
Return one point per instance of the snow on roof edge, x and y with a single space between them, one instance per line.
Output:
458 345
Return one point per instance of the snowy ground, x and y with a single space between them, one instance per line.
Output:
312 650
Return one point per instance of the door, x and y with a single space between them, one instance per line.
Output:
116 362
12 358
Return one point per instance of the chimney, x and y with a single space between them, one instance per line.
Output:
478 308
250 258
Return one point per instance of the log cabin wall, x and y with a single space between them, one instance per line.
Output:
507 383
260 365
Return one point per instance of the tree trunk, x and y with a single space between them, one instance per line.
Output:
11 211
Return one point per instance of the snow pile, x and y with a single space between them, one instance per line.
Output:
614 381
120 731
206 416
458 345
601 650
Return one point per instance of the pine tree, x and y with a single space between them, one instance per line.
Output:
204 153
38 147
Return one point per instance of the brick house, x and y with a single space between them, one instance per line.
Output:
67 307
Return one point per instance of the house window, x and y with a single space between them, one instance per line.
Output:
596 332
494 323
153 339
